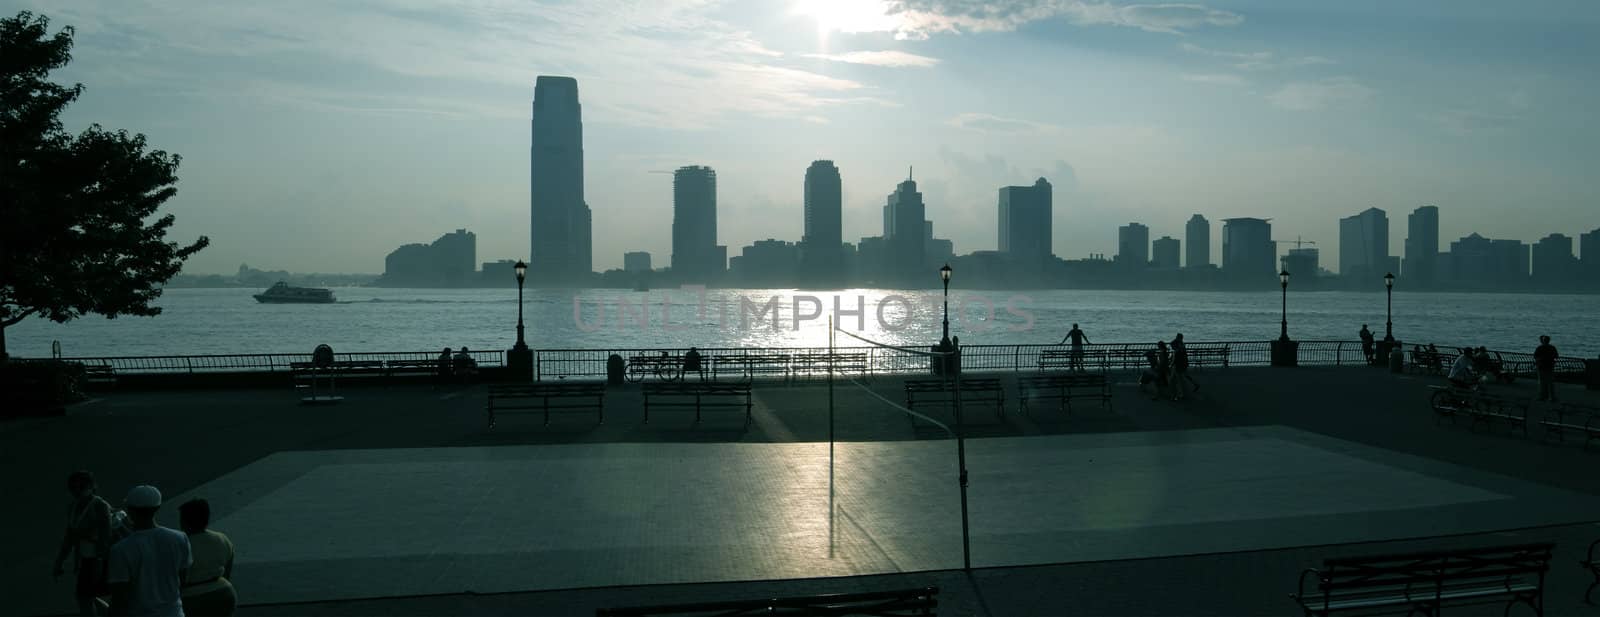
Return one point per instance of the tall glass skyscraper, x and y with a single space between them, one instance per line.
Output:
821 248
560 249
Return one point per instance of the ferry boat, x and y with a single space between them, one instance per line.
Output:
282 293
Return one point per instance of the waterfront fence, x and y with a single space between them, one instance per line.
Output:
261 362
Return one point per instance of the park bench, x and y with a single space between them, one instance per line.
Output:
1115 359
802 364
1591 564
977 390
1431 362
302 370
900 602
1064 388
99 375
545 396
1209 355
415 367
750 365
1426 582
1480 407
1560 418
697 395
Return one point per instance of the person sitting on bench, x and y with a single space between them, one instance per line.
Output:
1462 375
464 364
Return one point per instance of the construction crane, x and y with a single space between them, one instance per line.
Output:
1298 242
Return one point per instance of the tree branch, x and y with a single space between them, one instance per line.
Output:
18 319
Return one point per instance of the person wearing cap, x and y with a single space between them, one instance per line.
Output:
148 567
207 589
88 539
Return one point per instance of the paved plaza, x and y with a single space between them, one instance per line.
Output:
400 493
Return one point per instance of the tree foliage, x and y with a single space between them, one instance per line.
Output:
76 228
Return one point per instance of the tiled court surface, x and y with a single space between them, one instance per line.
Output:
325 525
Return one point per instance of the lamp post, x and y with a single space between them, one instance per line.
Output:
944 275
1388 311
520 358
1283 281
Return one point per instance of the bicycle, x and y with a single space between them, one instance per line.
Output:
663 367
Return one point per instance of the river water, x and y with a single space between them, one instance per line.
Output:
222 321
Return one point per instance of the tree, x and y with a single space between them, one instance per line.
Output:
74 231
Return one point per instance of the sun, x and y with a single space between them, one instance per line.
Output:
847 15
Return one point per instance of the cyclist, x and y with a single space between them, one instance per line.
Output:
1462 374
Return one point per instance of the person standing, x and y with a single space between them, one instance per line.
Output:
1180 366
87 539
1163 370
147 568
1367 343
208 586
1078 339
1544 359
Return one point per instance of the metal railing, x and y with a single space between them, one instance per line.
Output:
263 362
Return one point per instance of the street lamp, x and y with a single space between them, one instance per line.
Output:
1388 311
1283 281
522 274
944 275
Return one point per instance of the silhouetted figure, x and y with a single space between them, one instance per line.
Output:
147 567
465 366
1180 367
1485 364
1367 343
208 585
87 539
1149 374
1462 374
445 360
1435 363
1544 359
1078 339
692 364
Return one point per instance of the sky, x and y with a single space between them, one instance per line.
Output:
318 136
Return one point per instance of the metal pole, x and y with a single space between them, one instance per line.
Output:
961 463
520 340
946 311
1388 318
1283 331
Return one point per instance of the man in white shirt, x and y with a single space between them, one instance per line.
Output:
1461 373
147 567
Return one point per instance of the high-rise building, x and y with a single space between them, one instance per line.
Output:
1364 247
1197 232
450 261
1165 252
1133 245
1422 247
636 261
1480 263
1553 263
905 229
821 248
766 263
696 256
1303 262
1248 251
1589 253
561 248
1025 222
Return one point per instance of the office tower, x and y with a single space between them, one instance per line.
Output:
1248 251
1025 222
1198 234
1133 245
1304 262
1164 253
821 245
905 229
1422 247
636 261
1589 253
450 261
696 257
560 251
1553 263
1364 247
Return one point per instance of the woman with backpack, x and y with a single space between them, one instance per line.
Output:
88 539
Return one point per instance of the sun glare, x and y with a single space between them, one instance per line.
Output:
847 15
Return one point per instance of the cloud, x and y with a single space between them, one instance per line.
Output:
1465 122
919 19
1218 78
1319 95
1255 60
995 124
455 55
879 58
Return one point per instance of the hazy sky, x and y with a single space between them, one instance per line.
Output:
318 136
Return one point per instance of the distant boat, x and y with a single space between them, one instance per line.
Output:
282 293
